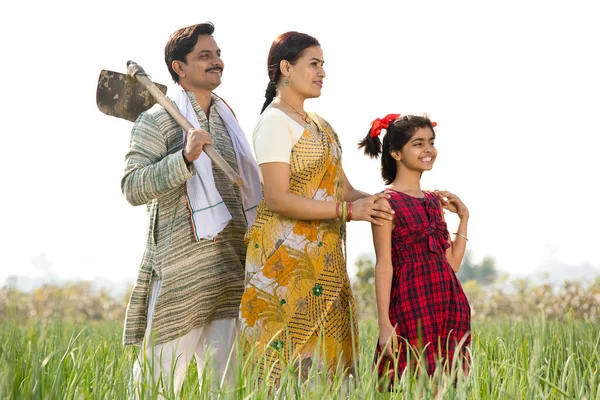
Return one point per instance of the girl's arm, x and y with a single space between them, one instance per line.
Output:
456 251
382 239
279 199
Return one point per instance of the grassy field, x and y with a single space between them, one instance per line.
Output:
526 360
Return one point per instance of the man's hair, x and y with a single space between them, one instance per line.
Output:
182 42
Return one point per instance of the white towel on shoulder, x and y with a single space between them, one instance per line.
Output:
209 214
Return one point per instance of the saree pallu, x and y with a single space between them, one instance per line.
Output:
297 308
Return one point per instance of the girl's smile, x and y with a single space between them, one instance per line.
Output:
419 153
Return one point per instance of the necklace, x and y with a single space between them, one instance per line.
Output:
304 116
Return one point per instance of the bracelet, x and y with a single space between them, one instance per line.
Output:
349 217
344 210
337 209
461 235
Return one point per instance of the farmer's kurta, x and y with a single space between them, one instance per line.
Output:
201 281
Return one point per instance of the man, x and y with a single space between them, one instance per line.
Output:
187 295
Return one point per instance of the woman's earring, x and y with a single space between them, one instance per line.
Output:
286 82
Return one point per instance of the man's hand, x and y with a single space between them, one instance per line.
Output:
195 141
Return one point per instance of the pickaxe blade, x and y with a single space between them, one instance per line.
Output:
122 96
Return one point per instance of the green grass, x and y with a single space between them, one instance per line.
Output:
527 360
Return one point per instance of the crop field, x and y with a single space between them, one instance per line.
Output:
535 359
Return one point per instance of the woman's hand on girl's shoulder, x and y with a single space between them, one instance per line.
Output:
452 203
374 209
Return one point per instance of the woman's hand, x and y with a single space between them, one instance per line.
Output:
388 342
452 203
367 210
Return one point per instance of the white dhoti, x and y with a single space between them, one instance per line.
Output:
212 345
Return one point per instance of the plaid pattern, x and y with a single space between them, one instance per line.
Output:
427 303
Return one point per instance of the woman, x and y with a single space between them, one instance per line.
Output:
298 295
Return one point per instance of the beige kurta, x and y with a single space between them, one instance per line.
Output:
201 281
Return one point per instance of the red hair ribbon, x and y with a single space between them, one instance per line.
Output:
379 124
434 124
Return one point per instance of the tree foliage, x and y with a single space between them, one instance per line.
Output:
484 273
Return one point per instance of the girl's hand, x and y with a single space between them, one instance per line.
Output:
367 210
452 203
388 341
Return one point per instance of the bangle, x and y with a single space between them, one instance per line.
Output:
461 235
344 210
337 209
349 217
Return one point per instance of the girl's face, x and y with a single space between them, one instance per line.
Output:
419 153
306 75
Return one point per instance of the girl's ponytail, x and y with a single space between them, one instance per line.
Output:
374 148
371 145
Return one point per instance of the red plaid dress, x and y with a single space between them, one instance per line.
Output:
427 303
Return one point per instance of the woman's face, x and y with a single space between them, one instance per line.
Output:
306 75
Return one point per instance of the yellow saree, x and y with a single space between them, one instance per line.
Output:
298 302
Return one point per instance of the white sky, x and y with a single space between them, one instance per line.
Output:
513 85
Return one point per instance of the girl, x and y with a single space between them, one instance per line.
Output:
420 301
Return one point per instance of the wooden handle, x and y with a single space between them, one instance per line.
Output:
136 71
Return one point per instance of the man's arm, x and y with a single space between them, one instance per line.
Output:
149 171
